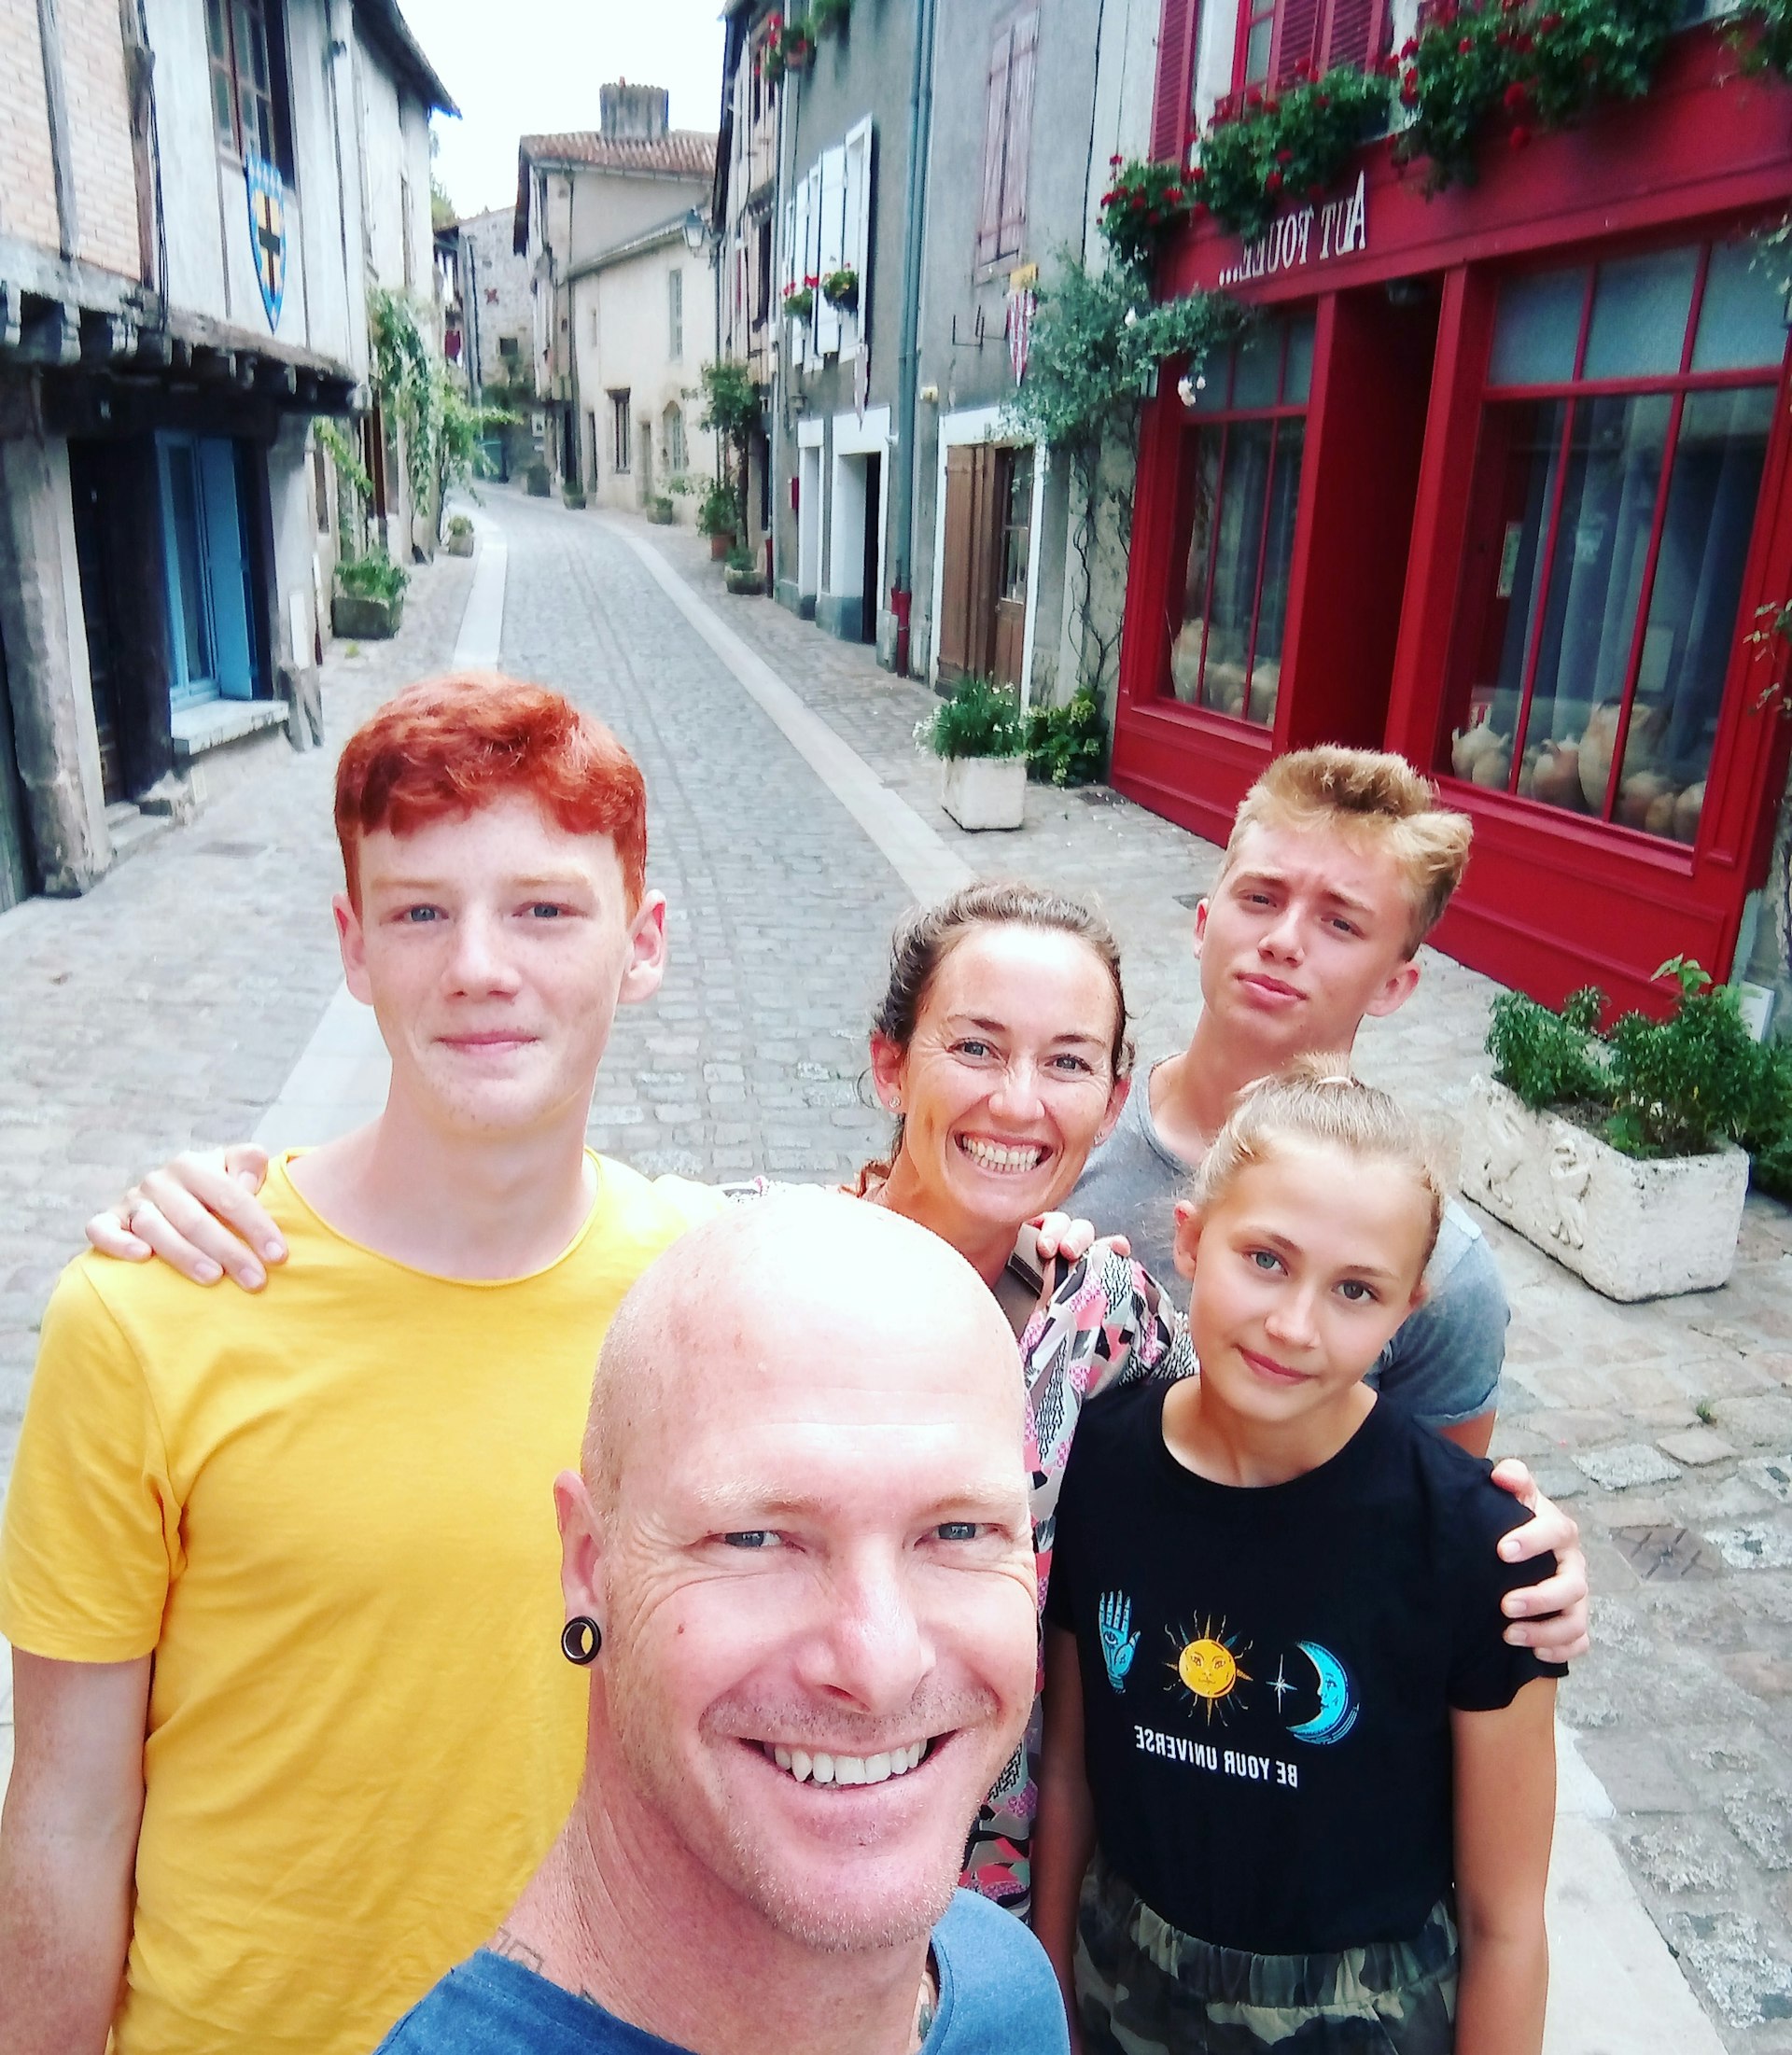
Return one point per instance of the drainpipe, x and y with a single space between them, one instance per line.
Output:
921 116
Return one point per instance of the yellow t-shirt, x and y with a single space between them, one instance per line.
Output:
328 1511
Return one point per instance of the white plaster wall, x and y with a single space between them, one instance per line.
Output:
190 182
294 537
383 173
623 341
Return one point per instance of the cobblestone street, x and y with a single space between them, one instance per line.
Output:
169 1005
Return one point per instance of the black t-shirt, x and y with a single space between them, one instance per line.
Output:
1268 1675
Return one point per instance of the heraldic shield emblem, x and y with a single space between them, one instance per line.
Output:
268 230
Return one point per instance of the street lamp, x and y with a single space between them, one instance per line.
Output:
696 231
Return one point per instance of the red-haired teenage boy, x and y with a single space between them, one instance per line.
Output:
292 1722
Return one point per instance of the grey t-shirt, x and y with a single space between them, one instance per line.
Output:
1443 1365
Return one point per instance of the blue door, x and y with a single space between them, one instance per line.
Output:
207 569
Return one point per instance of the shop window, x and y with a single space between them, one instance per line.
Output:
248 86
1007 140
1623 439
1240 492
1277 38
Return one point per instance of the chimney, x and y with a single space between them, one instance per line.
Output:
636 112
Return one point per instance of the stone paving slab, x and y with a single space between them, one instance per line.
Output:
1689 1401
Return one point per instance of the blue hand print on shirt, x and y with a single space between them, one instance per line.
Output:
1119 1643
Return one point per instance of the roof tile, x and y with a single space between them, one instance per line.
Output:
688 153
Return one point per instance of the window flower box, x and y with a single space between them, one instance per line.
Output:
841 290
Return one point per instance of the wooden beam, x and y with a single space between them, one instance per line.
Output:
52 335
107 336
11 309
216 367
155 348
61 135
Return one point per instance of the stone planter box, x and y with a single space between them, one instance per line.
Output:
720 544
744 584
573 498
366 619
984 792
461 545
661 513
1632 1229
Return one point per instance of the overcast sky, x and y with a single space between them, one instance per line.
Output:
521 66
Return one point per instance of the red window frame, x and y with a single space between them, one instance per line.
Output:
1222 420
1678 386
1323 32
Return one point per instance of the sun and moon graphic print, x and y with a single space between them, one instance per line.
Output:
1206 1661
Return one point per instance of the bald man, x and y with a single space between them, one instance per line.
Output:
799 1562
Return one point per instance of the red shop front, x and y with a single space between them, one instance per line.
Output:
1500 481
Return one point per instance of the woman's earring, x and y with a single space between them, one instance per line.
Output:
581 1639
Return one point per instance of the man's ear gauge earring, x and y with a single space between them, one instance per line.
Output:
581 1639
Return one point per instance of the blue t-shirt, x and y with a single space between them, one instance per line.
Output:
997 1996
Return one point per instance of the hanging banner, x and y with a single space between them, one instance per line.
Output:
267 192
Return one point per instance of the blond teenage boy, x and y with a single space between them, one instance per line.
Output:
1340 862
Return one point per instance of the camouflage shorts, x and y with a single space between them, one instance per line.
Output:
1144 1989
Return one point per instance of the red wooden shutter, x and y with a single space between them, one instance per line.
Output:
1297 30
994 138
1357 31
1170 102
1019 139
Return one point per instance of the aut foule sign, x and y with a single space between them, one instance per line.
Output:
1308 236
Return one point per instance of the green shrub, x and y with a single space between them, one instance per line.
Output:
979 719
459 526
1680 1086
373 576
717 513
1067 744
1547 1058
573 496
742 559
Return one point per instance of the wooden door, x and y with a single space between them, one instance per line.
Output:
970 573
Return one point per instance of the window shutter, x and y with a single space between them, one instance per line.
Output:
1358 31
995 136
834 244
794 267
1170 103
859 226
812 260
1298 30
1014 156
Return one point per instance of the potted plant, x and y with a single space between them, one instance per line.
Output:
538 481
841 290
660 510
716 519
460 536
980 735
741 576
1617 1153
1067 744
830 14
799 300
573 496
369 600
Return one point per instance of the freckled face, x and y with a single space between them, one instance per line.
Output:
495 949
820 1644
1008 1080
1303 1272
